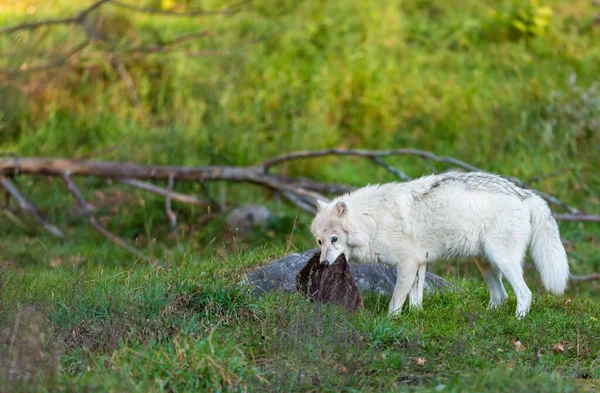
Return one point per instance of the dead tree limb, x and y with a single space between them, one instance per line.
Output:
77 18
302 192
589 277
368 154
92 219
425 155
224 11
401 175
82 20
172 217
57 63
28 208
577 217
176 196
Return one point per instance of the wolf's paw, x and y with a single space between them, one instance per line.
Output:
521 314
495 303
394 313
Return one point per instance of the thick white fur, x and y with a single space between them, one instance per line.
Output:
451 215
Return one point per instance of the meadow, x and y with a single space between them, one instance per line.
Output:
509 86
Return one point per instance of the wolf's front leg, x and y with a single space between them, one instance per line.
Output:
407 272
415 297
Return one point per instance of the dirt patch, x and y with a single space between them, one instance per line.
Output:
29 356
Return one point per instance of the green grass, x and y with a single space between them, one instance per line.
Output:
187 326
458 78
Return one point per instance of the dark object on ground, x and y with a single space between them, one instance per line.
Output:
243 219
281 275
332 284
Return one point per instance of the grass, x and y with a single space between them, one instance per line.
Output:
186 326
504 85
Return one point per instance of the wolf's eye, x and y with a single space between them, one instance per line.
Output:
319 242
334 239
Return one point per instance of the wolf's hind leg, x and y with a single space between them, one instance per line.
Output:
509 263
415 297
493 278
407 273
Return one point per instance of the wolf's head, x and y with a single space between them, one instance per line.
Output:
328 230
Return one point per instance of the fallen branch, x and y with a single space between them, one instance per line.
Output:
57 63
172 216
577 217
225 11
28 208
589 277
425 155
92 219
176 196
77 18
302 192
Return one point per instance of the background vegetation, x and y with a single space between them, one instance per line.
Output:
509 86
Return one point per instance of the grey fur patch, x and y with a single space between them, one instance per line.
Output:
480 181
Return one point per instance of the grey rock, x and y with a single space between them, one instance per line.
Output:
281 273
243 219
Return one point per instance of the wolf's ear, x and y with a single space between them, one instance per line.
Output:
320 205
341 208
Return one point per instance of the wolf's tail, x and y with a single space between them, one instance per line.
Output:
546 247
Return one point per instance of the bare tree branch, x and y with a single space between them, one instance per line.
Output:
126 78
92 219
172 217
168 45
425 155
28 208
367 154
183 198
57 63
83 21
77 18
225 11
401 175
547 176
589 277
578 217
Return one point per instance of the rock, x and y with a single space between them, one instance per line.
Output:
281 273
243 219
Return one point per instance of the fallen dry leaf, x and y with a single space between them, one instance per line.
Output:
518 346
341 368
56 262
559 348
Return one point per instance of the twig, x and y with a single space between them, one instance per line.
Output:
212 202
176 196
547 176
589 277
171 214
77 18
300 202
126 77
401 175
60 62
251 174
578 217
225 11
368 154
165 46
92 219
425 155
28 208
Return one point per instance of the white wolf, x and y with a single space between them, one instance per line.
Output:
451 215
